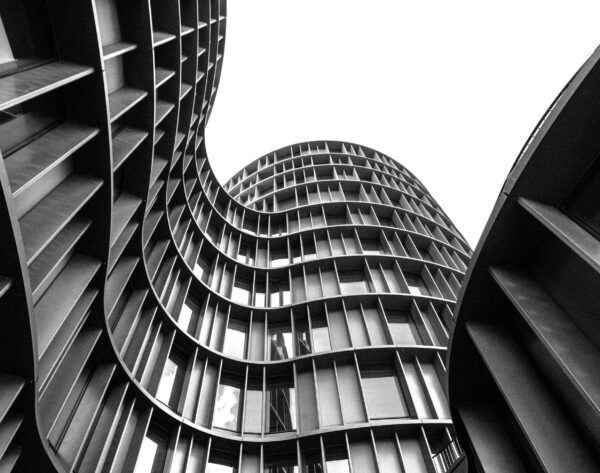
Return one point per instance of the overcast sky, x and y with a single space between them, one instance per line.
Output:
450 89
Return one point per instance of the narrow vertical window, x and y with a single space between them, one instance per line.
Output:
281 411
280 343
151 458
254 406
320 332
171 381
227 404
302 337
235 339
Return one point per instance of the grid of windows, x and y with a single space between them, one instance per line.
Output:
174 318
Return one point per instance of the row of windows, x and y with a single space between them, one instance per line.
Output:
334 242
327 167
328 279
317 328
360 452
278 224
325 192
311 151
313 218
306 397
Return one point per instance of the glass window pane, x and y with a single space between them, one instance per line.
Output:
403 329
382 392
227 407
253 413
169 388
321 339
151 457
235 340
282 408
416 285
280 342
353 282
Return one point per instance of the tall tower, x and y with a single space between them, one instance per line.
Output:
295 320
524 380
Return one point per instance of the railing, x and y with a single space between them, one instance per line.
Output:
447 457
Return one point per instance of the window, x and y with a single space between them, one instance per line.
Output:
254 406
281 411
416 285
320 333
372 247
240 292
302 338
337 461
402 328
151 458
171 380
279 257
352 282
283 467
227 405
382 392
279 293
235 339
189 308
213 467
280 343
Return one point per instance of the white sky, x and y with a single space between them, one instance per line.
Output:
450 89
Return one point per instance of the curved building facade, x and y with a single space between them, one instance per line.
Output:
524 382
294 320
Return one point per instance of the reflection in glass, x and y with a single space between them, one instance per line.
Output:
302 338
281 412
171 380
280 343
227 407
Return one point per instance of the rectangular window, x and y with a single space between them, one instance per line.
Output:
402 328
416 285
189 308
235 339
320 333
353 282
281 410
151 458
227 405
382 391
279 257
280 343
254 407
302 337
171 380
240 292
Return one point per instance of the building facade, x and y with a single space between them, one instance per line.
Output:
524 382
294 320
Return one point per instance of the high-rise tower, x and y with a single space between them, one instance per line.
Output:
152 320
